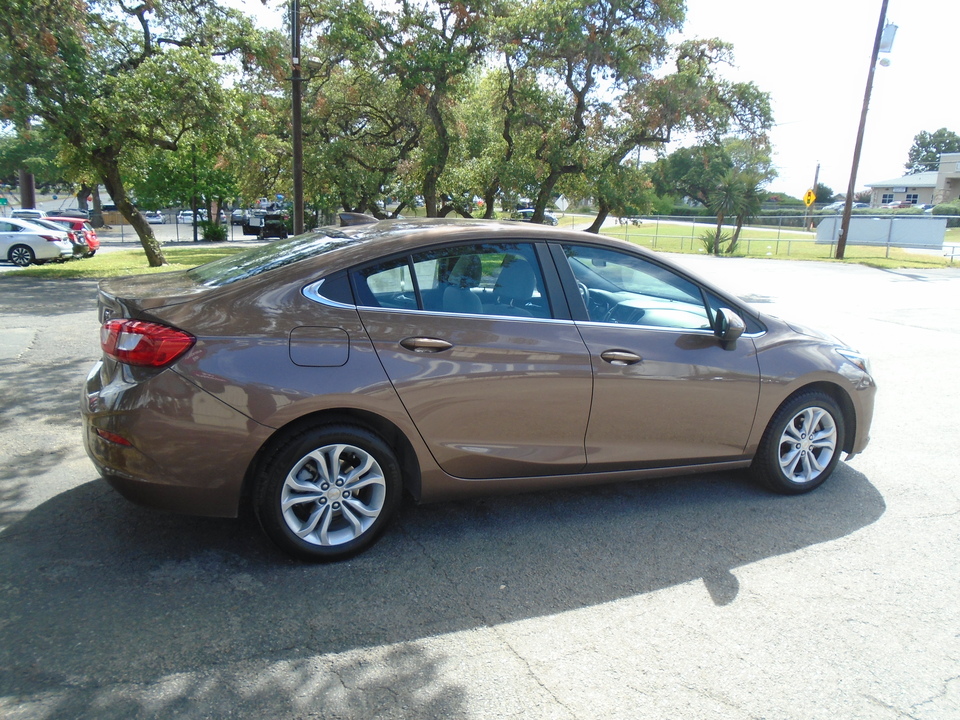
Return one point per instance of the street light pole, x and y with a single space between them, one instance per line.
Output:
297 99
851 187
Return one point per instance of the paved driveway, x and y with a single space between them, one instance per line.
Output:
699 597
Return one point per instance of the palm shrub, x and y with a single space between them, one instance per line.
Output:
213 231
713 240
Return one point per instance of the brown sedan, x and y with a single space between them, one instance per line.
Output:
321 376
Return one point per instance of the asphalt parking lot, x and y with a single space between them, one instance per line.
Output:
700 597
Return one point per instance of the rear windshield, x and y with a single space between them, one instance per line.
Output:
269 257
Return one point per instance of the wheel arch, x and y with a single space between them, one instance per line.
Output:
843 401
388 431
30 253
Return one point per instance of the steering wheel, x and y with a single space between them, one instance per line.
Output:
584 293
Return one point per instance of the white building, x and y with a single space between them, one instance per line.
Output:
932 187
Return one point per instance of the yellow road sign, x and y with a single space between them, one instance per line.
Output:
808 197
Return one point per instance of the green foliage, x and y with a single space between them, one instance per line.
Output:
726 177
824 193
114 81
690 211
712 242
781 199
924 154
442 99
663 205
952 210
691 172
213 231
35 150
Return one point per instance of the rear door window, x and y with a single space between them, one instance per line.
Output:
481 279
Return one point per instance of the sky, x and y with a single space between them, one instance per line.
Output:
813 57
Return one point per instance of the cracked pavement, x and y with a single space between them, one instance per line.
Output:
693 597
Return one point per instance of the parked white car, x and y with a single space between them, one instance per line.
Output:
155 217
27 214
24 243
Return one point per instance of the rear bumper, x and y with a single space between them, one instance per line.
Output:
188 452
53 250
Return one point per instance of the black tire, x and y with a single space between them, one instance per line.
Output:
90 254
21 255
337 519
790 459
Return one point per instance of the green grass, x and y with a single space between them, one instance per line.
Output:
125 262
779 243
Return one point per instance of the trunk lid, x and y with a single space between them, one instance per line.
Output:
135 296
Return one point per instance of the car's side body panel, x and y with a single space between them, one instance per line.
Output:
686 399
509 398
512 403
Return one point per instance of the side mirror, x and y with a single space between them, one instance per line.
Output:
730 326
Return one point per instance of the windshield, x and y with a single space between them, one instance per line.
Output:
269 257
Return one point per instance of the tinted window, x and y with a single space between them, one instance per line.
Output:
625 289
483 279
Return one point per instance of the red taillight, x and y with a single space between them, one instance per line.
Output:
51 239
148 344
113 437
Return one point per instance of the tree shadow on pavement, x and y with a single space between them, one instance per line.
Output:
110 610
34 297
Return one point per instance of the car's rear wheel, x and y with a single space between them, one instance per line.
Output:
328 492
21 255
802 444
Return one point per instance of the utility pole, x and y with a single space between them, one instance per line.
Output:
852 186
297 99
28 189
808 223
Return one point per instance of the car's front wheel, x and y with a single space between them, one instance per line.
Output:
802 444
328 492
21 255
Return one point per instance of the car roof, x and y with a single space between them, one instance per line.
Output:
31 224
396 237
59 218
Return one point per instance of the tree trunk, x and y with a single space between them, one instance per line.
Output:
82 195
96 213
436 167
105 162
602 212
736 235
490 197
546 190
716 239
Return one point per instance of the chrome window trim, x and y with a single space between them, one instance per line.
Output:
481 316
312 292
658 328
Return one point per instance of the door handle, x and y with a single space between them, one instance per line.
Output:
425 344
620 357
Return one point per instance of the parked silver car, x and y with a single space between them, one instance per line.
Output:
24 243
